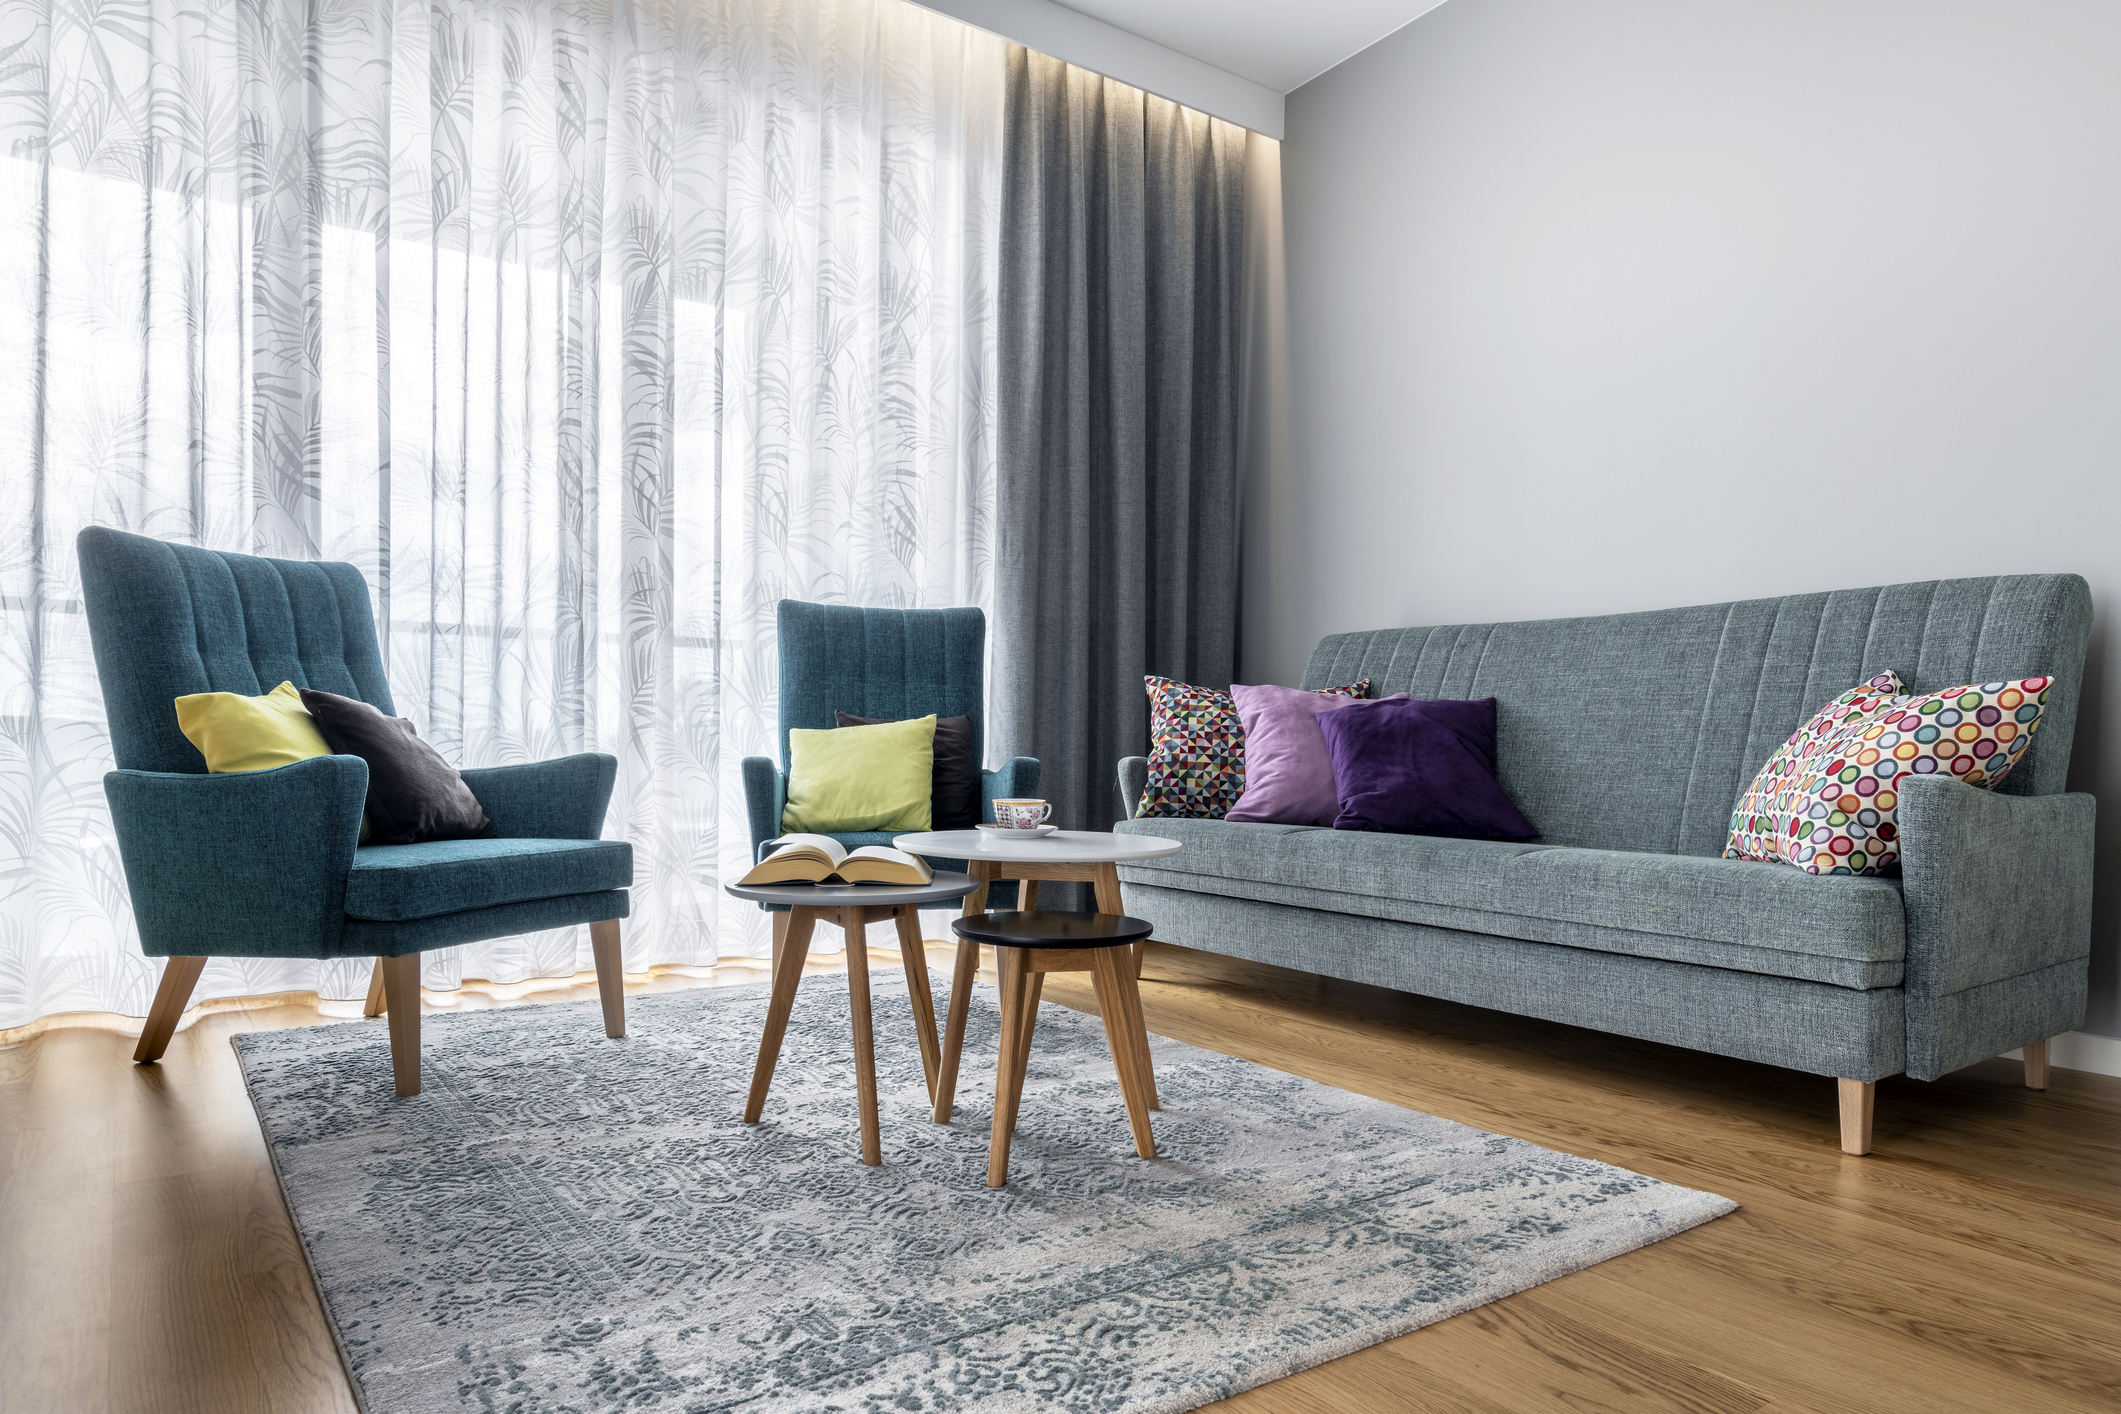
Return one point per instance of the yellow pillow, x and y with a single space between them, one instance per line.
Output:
250 733
861 778
236 733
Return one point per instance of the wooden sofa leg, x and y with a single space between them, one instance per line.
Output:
1858 1099
2036 1066
611 980
401 989
377 1002
179 976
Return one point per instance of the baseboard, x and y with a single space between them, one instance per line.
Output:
2080 1050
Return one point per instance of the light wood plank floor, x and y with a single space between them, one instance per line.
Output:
1972 1263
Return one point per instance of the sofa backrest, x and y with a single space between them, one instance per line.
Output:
1641 731
170 620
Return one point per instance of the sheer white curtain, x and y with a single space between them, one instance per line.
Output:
587 330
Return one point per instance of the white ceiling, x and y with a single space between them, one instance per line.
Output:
1276 44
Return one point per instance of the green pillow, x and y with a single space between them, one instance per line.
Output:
861 778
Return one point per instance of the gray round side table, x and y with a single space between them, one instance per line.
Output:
853 907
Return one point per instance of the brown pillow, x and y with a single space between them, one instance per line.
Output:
953 795
413 794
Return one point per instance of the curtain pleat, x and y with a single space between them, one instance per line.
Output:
588 331
1117 492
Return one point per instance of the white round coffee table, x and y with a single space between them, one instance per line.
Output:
1085 856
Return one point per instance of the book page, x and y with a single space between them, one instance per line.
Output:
826 845
882 863
886 854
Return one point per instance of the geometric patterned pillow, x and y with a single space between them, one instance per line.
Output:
1828 800
1765 810
1197 750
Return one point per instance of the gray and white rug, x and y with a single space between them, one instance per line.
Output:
567 1223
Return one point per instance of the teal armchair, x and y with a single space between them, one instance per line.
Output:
894 663
268 863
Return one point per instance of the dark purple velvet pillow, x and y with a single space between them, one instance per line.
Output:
1421 768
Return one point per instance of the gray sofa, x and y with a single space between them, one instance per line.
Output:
1628 740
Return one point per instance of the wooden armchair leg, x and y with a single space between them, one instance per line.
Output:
179 976
2036 1066
401 989
611 979
1858 1099
377 1002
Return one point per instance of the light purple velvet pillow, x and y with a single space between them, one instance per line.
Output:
1288 771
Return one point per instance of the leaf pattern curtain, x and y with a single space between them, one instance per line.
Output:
587 330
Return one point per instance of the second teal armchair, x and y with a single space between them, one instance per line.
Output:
894 663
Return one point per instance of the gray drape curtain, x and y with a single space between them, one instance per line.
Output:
1117 485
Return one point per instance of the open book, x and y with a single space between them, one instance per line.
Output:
821 859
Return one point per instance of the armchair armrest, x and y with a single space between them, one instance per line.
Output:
1017 776
250 864
1133 780
1998 892
561 799
765 799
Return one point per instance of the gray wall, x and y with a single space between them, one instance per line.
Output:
1599 305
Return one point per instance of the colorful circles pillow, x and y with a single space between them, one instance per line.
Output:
1772 800
1197 750
1827 801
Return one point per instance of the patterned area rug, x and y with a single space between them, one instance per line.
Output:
567 1223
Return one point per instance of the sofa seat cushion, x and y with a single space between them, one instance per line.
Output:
394 882
1845 930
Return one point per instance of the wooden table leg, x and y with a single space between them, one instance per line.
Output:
1027 895
864 1035
1008 1073
1034 988
916 957
786 974
1123 1033
1109 901
961 982
1106 888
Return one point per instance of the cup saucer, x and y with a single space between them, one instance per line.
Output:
1014 830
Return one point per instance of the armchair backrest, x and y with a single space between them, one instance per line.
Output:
170 620
894 663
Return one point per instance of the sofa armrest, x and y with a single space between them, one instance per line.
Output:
765 798
248 864
1018 776
1133 780
561 799
1998 892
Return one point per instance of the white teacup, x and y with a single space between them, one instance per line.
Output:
1021 814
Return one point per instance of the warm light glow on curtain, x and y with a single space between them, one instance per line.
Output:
588 331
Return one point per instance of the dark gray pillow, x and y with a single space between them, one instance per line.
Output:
413 794
953 798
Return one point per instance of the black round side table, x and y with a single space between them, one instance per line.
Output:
1026 947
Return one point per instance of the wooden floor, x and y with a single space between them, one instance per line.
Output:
1972 1263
